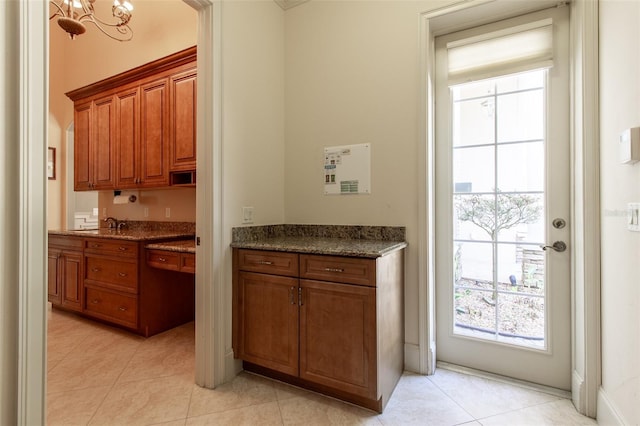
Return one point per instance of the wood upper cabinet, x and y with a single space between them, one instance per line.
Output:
128 138
83 162
132 129
154 113
94 148
182 121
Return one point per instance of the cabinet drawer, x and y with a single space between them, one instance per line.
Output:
338 269
112 273
60 241
112 247
188 263
268 262
163 259
115 307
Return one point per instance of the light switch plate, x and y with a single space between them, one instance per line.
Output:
629 146
247 215
633 217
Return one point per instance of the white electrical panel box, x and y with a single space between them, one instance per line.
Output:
347 169
630 146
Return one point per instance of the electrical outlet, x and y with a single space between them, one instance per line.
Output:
146 212
104 212
247 215
167 212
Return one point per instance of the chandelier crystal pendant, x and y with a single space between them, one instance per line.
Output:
72 14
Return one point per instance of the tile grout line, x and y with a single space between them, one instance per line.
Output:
452 399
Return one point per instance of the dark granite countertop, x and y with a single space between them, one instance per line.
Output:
125 234
329 246
339 240
180 246
137 231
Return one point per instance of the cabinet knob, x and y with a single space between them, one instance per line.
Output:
122 274
95 269
95 301
96 245
162 259
123 248
122 308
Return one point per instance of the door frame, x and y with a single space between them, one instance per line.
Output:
585 200
30 236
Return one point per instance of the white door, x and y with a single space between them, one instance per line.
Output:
502 194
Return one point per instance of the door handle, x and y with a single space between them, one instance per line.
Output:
558 246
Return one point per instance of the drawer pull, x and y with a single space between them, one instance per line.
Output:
123 248
95 301
265 262
334 269
291 296
95 269
96 245
162 259
300 296
122 274
122 308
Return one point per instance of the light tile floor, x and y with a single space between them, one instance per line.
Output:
98 375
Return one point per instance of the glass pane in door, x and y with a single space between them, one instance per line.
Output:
498 209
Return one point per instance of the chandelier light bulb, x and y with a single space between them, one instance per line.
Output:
73 14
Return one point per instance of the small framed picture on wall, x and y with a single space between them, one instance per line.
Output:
51 163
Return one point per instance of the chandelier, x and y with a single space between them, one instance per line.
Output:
72 14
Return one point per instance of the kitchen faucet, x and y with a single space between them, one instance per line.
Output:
112 222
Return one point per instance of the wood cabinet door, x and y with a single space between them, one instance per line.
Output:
72 277
268 321
53 277
82 171
338 336
103 143
127 139
182 124
154 127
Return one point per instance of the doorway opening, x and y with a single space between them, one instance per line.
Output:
502 175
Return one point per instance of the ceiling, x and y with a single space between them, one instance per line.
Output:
288 4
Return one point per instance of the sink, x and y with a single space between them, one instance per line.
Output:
88 231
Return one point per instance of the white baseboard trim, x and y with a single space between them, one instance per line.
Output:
577 392
607 413
232 366
412 358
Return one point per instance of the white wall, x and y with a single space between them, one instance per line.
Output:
620 184
352 77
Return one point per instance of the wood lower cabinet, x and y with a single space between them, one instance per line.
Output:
338 336
65 273
109 280
172 260
329 323
268 321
